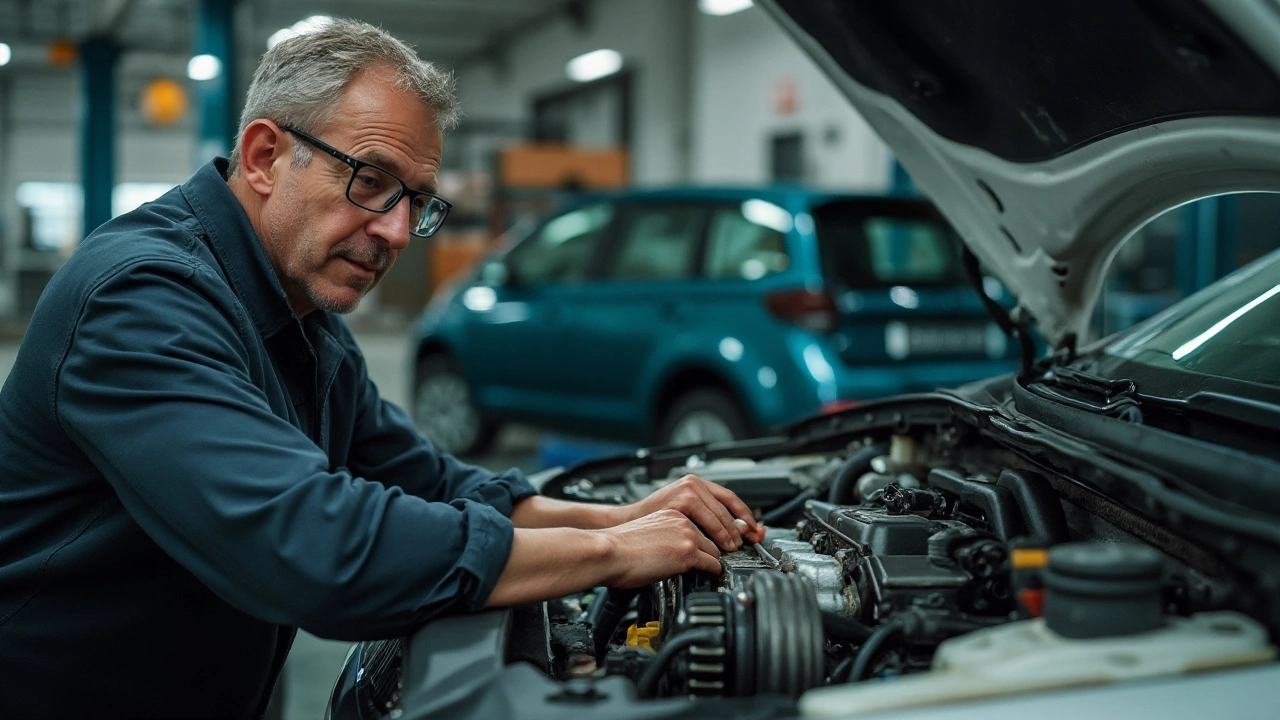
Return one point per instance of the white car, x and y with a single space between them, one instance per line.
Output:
1095 535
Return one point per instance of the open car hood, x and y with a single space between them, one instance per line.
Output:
1048 133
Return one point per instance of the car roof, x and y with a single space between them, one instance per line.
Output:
781 194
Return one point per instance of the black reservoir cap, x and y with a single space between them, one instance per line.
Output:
1097 590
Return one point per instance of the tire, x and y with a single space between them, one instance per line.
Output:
703 415
444 411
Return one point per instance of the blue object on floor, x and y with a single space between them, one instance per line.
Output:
557 451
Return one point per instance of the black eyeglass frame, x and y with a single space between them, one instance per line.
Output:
356 164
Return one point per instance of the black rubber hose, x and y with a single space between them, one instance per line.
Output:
648 684
841 671
871 649
854 467
782 511
840 627
1042 514
604 615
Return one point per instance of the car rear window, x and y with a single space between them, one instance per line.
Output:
871 243
747 241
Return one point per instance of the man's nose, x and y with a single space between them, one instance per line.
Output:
392 226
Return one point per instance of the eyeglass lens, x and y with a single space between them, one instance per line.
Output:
377 190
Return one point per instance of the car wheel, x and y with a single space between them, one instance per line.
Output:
706 415
444 411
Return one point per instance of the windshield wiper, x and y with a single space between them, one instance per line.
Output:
1120 399
1092 393
1221 406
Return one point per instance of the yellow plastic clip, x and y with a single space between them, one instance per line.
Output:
642 636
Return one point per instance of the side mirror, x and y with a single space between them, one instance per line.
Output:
495 274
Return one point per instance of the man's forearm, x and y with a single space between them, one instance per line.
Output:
552 562
544 512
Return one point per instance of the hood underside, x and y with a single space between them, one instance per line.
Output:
1048 133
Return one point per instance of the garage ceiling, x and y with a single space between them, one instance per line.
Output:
450 32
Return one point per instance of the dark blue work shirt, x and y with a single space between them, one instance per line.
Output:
188 472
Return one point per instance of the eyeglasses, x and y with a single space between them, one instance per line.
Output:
375 189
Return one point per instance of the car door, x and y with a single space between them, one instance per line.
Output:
516 335
617 323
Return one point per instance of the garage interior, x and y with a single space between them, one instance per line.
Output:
107 104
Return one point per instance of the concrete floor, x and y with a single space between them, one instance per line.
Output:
313 664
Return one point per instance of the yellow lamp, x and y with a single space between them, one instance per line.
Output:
164 101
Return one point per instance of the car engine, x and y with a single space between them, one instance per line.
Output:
882 558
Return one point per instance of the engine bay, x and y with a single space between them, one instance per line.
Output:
898 557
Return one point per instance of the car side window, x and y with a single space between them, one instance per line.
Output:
658 242
740 247
562 249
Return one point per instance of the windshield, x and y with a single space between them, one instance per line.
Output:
1225 338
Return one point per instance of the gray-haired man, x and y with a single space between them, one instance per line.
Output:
194 462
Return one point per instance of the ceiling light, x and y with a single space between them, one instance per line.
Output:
723 7
594 65
302 27
5 54
204 67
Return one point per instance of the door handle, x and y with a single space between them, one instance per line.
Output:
673 310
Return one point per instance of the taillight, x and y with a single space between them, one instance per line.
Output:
813 311
835 406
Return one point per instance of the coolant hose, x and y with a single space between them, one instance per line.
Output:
606 612
870 649
841 627
857 465
782 511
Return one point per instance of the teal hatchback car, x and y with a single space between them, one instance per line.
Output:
702 315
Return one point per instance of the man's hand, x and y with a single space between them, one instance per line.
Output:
713 507
658 546
552 562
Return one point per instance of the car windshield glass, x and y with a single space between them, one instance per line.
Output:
879 244
1228 333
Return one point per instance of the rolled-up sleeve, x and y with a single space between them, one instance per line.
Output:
157 388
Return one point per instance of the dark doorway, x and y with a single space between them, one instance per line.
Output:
786 157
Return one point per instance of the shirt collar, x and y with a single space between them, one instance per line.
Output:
238 247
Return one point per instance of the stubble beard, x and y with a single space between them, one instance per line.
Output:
295 272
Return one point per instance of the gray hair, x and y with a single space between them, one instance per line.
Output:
298 80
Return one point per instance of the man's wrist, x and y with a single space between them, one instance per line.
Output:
614 515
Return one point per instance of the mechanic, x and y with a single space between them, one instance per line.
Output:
194 461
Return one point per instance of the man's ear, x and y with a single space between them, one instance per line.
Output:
262 147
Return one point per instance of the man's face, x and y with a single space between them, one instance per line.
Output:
326 251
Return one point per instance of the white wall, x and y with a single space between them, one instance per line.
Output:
653 38
704 97
739 61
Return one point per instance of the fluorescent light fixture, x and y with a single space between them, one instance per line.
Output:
479 298
302 27
723 7
6 54
594 65
1221 325
204 67
762 212
904 297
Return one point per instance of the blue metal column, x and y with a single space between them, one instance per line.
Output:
215 35
1207 246
900 184
98 57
